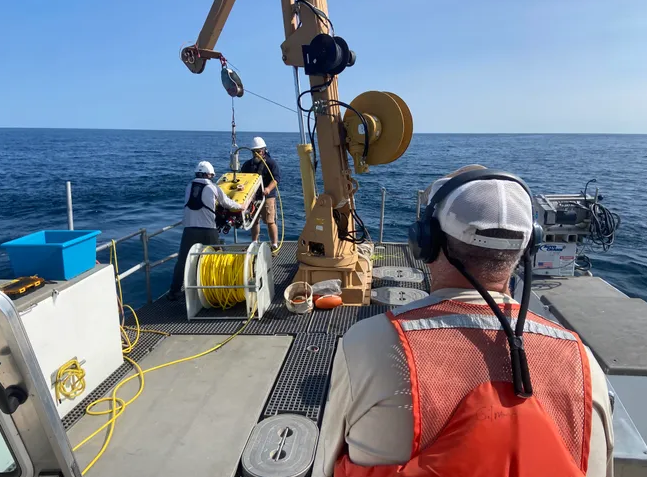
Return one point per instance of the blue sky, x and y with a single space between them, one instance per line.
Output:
462 66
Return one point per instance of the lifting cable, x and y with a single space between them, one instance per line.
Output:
350 236
234 146
235 149
118 405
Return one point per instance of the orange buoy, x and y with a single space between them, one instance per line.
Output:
328 302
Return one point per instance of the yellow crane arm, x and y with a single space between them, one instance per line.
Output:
195 57
327 246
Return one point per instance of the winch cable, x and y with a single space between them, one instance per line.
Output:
272 101
260 96
234 146
307 118
118 405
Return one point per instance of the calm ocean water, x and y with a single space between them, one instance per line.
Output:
126 180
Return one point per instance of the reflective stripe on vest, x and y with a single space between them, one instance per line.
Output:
467 419
483 322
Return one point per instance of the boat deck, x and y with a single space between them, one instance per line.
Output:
197 416
192 419
279 364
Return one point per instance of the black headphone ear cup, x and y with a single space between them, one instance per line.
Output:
536 239
425 237
416 239
433 240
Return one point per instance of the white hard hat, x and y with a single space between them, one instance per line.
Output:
205 167
484 205
258 143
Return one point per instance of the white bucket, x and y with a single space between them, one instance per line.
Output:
298 298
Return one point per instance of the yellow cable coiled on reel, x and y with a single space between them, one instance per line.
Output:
222 269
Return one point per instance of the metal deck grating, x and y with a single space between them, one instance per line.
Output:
341 322
396 255
303 382
320 320
171 316
424 285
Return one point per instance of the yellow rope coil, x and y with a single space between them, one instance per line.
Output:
222 269
70 380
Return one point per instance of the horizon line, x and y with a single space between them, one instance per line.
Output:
297 132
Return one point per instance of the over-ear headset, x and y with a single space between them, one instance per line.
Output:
426 239
426 236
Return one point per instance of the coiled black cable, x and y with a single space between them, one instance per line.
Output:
361 117
323 18
604 225
346 235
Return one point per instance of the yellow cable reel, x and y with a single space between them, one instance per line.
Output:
222 269
390 128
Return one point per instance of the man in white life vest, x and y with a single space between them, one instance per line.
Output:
467 382
201 198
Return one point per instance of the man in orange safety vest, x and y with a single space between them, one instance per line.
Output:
467 382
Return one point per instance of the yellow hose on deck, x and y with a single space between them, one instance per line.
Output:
218 269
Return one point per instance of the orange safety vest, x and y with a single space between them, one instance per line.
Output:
467 419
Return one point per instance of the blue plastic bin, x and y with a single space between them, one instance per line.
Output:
53 254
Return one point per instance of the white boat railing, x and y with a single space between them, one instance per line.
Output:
147 265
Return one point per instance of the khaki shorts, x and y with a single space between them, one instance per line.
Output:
268 212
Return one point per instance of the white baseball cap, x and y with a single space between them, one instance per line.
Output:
484 205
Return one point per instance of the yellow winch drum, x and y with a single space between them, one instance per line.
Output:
222 276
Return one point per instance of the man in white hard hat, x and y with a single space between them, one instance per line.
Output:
432 388
263 164
199 221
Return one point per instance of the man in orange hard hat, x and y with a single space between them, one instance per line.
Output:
467 382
